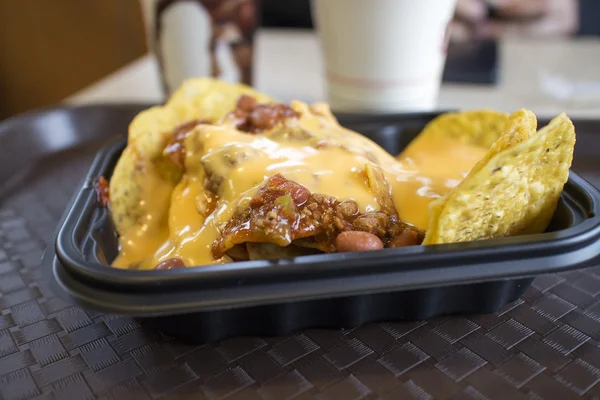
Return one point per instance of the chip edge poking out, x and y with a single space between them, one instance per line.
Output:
537 184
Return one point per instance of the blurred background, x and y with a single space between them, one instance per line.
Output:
52 49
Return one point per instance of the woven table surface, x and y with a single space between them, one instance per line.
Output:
544 346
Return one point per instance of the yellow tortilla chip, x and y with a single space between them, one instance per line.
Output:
143 164
478 127
515 191
380 188
201 98
137 191
150 130
207 98
270 251
519 127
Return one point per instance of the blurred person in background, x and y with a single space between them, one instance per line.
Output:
492 19
479 19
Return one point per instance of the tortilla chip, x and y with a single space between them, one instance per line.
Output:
196 99
478 127
239 252
380 188
133 180
309 243
519 127
514 192
143 162
207 98
270 251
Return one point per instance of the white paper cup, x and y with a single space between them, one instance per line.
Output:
383 55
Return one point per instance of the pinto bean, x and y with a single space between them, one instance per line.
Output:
350 241
405 238
171 263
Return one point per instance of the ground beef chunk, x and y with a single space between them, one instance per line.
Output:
278 186
218 164
348 209
175 148
284 211
251 117
213 182
376 223
246 103
103 192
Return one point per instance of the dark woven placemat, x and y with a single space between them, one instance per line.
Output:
542 347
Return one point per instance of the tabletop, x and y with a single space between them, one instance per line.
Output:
547 77
543 346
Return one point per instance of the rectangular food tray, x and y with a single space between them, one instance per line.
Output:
328 290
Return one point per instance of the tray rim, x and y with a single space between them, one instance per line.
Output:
572 241
141 305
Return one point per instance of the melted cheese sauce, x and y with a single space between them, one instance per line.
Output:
314 151
429 170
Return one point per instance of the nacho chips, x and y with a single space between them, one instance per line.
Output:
144 164
513 191
213 177
519 127
478 127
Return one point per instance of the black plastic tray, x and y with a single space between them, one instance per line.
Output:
331 290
